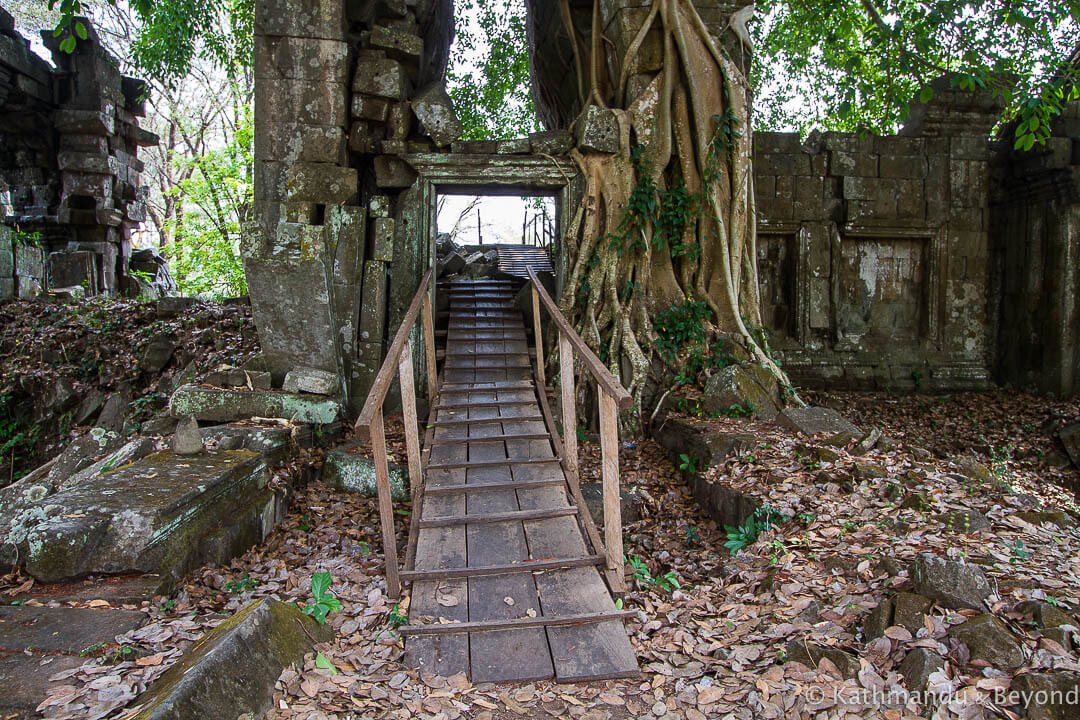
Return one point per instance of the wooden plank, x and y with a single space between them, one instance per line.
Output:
533 566
505 462
441 548
542 621
609 450
568 400
487 354
491 486
485 421
452 387
507 655
538 339
496 517
599 371
477 405
408 412
386 509
503 438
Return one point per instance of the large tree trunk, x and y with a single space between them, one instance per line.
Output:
668 219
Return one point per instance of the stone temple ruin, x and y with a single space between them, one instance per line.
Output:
934 258
69 171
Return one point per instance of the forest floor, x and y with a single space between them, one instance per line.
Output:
713 631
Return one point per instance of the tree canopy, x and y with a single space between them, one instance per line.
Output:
830 64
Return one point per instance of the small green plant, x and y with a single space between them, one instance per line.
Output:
668 581
688 464
305 523
168 605
396 618
323 601
1020 554
93 650
763 520
581 437
917 378
245 584
691 535
737 411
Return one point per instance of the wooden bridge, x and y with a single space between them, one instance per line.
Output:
510 578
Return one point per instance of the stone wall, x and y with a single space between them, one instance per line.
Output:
873 252
68 166
1035 275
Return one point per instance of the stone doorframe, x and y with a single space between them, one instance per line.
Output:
490 174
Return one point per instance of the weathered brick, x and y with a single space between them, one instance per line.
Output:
324 19
320 182
382 235
301 58
303 101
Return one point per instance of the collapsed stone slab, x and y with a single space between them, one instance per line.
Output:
814 420
231 671
148 516
213 405
345 469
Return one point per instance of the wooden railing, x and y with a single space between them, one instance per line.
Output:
612 397
370 423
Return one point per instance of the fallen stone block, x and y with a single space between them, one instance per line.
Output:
238 377
917 667
597 130
1048 696
750 388
702 443
630 502
186 439
1070 437
951 583
814 420
811 654
452 264
352 472
989 639
310 380
63 629
231 671
213 405
146 516
397 44
170 307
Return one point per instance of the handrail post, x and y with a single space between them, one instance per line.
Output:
538 337
386 508
408 412
429 352
609 451
569 410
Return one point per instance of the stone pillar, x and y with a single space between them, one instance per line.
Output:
302 257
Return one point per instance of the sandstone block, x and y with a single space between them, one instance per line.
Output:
383 78
435 111
597 131
320 183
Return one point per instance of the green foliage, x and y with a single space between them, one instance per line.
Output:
668 582
397 619
323 601
217 200
23 237
688 464
763 520
737 411
245 584
488 78
1019 552
858 65
171 34
680 325
323 663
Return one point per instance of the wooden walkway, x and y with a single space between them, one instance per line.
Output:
500 549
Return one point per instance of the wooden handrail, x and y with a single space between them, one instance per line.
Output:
369 426
381 386
611 397
603 376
